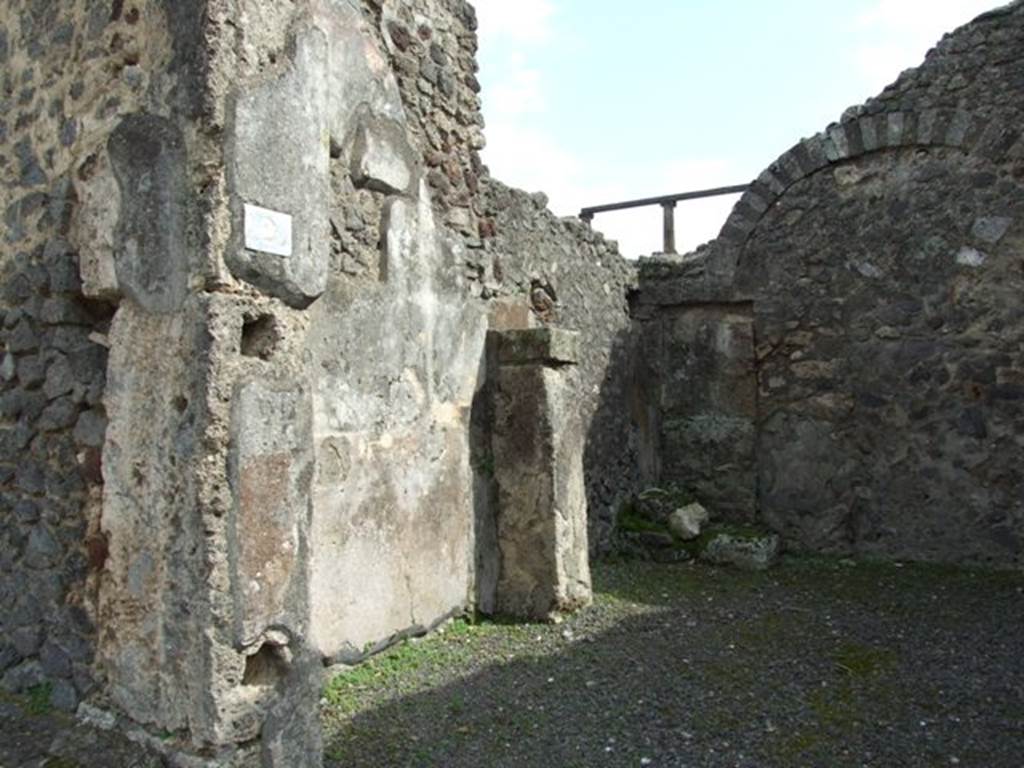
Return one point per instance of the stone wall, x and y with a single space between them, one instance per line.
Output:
511 246
70 73
432 47
570 276
882 260
252 253
251 256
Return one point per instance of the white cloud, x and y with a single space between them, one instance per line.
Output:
522 153
510 33
894 35
518 93
522 21
887 37
519 152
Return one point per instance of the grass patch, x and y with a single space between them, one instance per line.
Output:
858 660
403 666
631 521
379 671
38 699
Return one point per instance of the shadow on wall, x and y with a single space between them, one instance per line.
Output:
613 439
617 456
485 554
52 378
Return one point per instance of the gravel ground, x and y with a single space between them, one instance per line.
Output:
815 663
31 736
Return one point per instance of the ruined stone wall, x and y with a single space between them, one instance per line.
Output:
479 242
881 261
974 68
511 246
570 276
223 461
70 72
432 45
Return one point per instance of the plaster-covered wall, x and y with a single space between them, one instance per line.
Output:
512 247
223 465
882 263
403 532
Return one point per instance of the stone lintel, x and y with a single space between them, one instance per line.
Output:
537 346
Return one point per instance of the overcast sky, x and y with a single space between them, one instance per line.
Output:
596 101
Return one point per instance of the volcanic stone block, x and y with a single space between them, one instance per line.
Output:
147 155
383 160
278 159
538 346
537 443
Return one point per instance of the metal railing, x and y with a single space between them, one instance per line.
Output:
668 205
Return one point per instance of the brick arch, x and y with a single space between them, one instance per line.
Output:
989 136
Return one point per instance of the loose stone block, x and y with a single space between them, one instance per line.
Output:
990 229
687 521
747 552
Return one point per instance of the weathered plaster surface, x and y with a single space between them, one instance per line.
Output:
278 159
285 456
221 466
397 366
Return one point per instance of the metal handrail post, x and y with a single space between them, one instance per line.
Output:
669 230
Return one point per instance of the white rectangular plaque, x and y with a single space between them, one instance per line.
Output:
268 231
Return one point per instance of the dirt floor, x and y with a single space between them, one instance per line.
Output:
814 663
